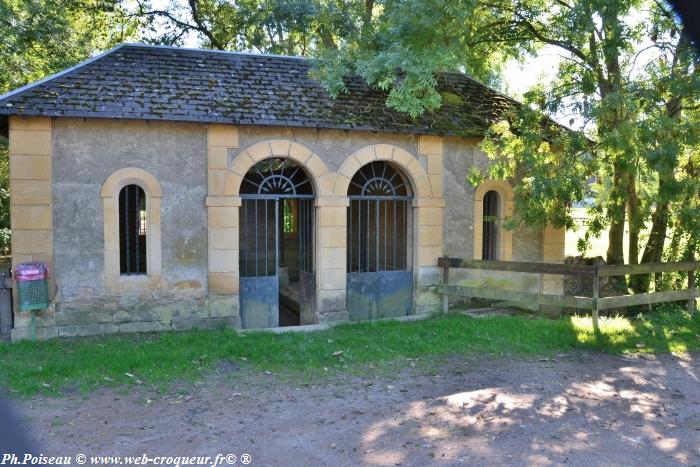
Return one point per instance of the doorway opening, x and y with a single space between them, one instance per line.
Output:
277 280
379 255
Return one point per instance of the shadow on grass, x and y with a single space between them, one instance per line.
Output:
83 364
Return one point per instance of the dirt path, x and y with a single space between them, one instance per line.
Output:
580 409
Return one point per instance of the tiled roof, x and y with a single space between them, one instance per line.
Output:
134 81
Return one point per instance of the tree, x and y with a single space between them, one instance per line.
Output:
41 37
294 27
628 78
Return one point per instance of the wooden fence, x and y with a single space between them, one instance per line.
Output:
594 303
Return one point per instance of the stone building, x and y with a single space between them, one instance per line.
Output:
173 188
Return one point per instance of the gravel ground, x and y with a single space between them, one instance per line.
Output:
580 409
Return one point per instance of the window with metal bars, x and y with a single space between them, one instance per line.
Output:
489 250
133 226
378 220
278 201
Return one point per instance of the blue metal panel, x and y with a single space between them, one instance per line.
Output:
395 293
375 295
259 302
360 293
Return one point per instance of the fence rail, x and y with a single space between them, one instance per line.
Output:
595 302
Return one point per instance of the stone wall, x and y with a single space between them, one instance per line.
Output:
66 216
462 220
85 155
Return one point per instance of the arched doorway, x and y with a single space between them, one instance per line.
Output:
276 257
379 243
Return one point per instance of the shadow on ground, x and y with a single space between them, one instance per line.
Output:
581 408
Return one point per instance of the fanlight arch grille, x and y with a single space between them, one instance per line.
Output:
277 177
378 179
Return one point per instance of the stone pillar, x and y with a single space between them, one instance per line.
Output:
31 211
431 148
427 215
223 227
220 138
331 268
428 220
553 251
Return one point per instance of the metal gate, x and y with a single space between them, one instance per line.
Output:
277 198
379 279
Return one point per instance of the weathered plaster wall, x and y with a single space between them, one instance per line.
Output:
459 156
333 146
86 153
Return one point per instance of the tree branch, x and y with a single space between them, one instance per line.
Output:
201 27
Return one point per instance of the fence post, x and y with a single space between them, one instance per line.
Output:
445 282
596 296
693 294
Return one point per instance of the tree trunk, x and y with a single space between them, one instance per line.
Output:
635 219
616 234
635 225
616 209
654 249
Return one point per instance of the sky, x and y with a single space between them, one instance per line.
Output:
519 77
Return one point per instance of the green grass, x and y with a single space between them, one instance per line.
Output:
50 367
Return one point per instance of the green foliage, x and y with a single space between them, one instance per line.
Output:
636 100
48 367
547 165
294 27
628 80
41 37
400 46
4 198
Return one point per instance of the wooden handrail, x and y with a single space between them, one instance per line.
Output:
569 269
518 266
595 271
647 268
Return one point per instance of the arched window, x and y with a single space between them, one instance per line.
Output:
489 250
133 222
378 220
131 202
